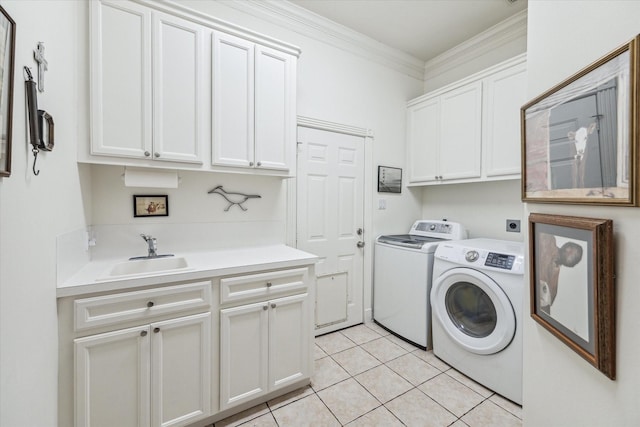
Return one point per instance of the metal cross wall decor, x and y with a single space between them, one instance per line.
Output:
43 65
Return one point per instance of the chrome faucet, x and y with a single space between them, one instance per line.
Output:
153 245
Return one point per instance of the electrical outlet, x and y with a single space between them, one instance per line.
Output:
513 225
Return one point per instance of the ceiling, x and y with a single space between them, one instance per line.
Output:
422 28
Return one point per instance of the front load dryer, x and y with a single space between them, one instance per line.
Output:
477 308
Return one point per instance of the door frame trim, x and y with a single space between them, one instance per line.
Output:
369 180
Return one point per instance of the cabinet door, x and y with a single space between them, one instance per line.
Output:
274 109
289 334
233 101
181 370
120 79
177 95
112 379
461 132
243 353
423 128
504 94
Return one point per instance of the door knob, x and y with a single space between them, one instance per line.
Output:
360 244
359 231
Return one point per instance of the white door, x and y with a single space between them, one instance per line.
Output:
181 370
233 101
178 88
504 94
330 217
120 83
423 127
461 132
112 378
274 109
244 357
289 358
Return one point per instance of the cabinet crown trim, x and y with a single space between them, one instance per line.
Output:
174 8
471 78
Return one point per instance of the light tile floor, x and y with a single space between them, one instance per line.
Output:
365 376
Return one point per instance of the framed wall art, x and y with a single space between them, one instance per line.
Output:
150 206
7 54
572 284
580 138
389 179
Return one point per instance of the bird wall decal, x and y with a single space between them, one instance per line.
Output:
234 198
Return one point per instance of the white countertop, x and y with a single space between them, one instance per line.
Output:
201 265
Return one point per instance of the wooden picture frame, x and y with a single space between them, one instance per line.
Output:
150 205
580 138
7 56
572 284
389 179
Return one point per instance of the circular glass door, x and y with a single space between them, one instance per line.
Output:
473 310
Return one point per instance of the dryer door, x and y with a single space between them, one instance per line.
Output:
473 310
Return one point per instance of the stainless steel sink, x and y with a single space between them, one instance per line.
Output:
147 266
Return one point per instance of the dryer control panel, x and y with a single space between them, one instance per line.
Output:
500 260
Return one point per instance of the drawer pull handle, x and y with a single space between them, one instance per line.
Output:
143 333
156 330
264 307
150 304
273 305
269 284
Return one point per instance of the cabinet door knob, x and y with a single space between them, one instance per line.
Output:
269 284
143 333
147 154
156 154
273 305
264 307
150 304
259 163
156 330
250 163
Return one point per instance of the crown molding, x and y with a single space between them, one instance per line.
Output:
485 42
312 25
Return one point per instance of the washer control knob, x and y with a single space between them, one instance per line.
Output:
432 227
471 256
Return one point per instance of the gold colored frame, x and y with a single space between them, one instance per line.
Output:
581 313
560 164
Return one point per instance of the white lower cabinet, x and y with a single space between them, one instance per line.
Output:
264 346
152 375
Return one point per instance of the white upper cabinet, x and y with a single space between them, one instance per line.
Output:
460 132
146 76
233 95
253 105
505 93
470 130
120 79
170 88
178 93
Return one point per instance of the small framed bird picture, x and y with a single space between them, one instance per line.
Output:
150 205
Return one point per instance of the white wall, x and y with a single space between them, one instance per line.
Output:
560 388
482 208
33 211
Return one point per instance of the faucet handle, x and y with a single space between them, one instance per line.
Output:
146 237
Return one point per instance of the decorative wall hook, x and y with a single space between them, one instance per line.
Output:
234 198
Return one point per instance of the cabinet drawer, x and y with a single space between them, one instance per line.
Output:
117 308
249 286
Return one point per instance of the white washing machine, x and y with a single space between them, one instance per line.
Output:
402 278
477 309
